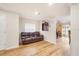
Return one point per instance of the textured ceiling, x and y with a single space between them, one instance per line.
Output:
27 10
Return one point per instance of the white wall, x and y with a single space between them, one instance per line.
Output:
23 21
12 30
75 29
11 33
2 30
50 35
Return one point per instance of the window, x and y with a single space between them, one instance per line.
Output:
30 27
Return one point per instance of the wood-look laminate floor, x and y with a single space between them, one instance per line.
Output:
42 48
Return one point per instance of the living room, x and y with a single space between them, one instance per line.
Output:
36 29
32 24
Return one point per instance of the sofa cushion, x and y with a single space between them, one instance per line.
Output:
28 34
36 33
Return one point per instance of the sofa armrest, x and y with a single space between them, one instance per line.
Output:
42 36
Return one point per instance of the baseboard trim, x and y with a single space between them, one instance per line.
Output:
51 42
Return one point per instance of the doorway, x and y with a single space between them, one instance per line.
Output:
63 36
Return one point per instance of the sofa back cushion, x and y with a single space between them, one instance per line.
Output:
23 34
36 33
30 34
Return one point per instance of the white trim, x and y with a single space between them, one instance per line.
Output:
51 42
12 47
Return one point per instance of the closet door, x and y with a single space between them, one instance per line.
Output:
2 30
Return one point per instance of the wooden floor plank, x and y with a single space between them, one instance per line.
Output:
42 48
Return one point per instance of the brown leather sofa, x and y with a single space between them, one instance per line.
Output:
30 37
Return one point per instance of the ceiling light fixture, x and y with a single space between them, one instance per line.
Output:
36 13
50 3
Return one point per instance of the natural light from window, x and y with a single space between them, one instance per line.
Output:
30 27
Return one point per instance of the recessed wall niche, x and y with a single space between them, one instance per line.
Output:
45 25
